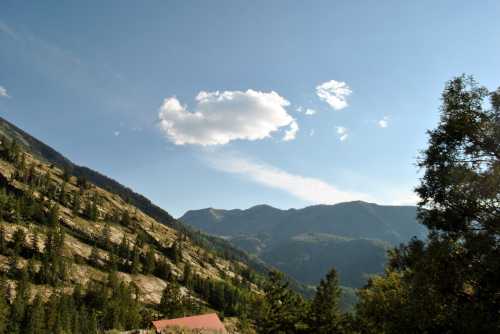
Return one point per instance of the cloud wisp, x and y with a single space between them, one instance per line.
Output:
342 132
310 112
306 111
383 123
291 133
308 189
3 92
334 93
221 117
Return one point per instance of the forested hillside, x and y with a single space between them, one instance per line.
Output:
85 259
47 154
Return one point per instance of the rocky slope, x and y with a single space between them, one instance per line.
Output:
64 232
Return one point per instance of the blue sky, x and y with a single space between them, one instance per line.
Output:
205 103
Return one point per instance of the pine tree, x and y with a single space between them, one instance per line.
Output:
325 316
135 265
94 256
76 203
82 182
106 237
67 170
187 275
53 217
62 194
172 304
3 242
4 309
20 304
125 220
35 240
150 261
18 240
282 310
36 317
90 209
163 269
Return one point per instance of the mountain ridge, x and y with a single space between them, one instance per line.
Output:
306 242
50 155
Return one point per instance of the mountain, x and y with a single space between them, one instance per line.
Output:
48 155
98 253
353 237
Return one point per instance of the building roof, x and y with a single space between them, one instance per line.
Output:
205 321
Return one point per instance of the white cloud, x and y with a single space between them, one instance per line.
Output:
291 133
310 112
306 188
311 133
383 123
3 92
306 111
334 93
342 132
116 133
220 117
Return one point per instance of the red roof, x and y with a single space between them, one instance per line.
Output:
205 321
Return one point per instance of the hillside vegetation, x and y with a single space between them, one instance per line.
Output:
61 236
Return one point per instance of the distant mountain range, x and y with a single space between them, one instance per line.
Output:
353 237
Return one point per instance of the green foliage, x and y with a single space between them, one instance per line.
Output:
282 311
325 316
450 283
173 303
150 261
4 307
37 254
122 308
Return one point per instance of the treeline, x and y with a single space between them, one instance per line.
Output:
100 306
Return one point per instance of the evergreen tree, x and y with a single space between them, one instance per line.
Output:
20 304
106 237
3 241
76 203
35 240
62 194
150 261
325 316
4 308
53 216
94 256
172 304
90 210
18 240
36 317
187 276
67 171
163 269
282 310
82 182
125 220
